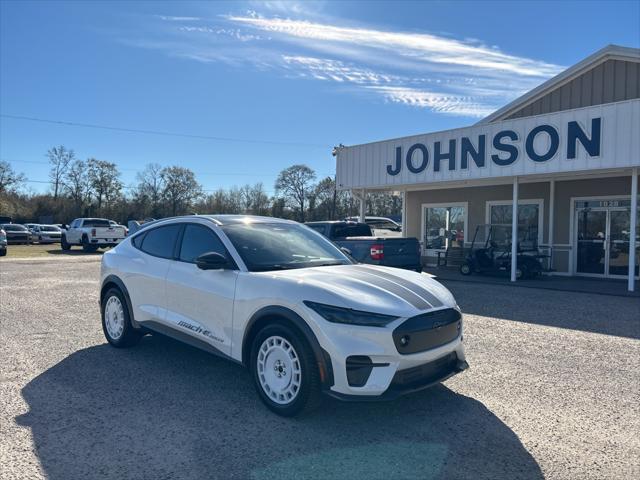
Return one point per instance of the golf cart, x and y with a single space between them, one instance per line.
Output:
490 252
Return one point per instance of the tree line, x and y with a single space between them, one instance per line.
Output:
94 188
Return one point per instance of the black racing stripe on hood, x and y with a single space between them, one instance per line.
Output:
406 295
416 289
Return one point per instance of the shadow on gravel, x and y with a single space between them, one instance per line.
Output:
74 253
164 410
603 314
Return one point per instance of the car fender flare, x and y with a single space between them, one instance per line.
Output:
323 359
115 280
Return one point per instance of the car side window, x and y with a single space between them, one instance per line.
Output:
198 239
161 241
137 240
318 228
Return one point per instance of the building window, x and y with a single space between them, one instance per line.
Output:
529 222
444 226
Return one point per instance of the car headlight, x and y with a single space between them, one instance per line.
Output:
350 316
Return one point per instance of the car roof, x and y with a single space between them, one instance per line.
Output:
220 220
331 222
236 219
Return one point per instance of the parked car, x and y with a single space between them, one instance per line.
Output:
30 226
46 234
91 234
287 304
113 223
365 247
17 234
3 243
381 226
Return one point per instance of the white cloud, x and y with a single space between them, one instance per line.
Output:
327 69
437 102
422 70
420 46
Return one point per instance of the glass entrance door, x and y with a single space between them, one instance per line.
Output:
592 234
619 230
603 241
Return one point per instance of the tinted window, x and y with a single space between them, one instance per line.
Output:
198 240
161 241
318 228
137 240
355 230
280 246
96 222
48 228
14 228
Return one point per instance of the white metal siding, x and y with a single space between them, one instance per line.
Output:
365 166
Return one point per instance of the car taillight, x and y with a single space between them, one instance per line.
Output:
93 232
377 252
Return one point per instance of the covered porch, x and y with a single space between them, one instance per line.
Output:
586 224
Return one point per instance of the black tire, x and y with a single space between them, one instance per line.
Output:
3 252
465 269
521 272
64 245
87 247
129 336
308 396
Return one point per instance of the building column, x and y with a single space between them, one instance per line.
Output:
633 229
403 224
514 230
552 208
363 204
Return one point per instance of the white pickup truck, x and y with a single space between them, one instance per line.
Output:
91 234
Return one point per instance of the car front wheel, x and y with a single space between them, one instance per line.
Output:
116 322
64 245
285 371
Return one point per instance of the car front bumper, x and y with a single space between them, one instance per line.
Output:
412 379
389 373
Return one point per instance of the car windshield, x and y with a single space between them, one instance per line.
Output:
282 246
49 228
14 228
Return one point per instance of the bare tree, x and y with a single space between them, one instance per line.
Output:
59 158
295 184
326 199
10 180
259 200
76 185
104 179
150 188
181 188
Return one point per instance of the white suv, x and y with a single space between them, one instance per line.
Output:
285 302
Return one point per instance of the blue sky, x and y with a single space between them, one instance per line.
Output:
300 76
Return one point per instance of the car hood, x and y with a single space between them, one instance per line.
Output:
370 288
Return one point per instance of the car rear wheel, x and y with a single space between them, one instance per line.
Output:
116 322
87 247
285 371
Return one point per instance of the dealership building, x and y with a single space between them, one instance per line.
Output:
557 168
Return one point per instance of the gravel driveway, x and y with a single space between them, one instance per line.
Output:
552 392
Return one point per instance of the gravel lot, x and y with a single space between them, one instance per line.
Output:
553 392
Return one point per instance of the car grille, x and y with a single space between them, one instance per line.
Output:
424 374
427 331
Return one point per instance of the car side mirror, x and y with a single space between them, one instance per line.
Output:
212 261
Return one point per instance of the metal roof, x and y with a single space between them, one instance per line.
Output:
609 52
